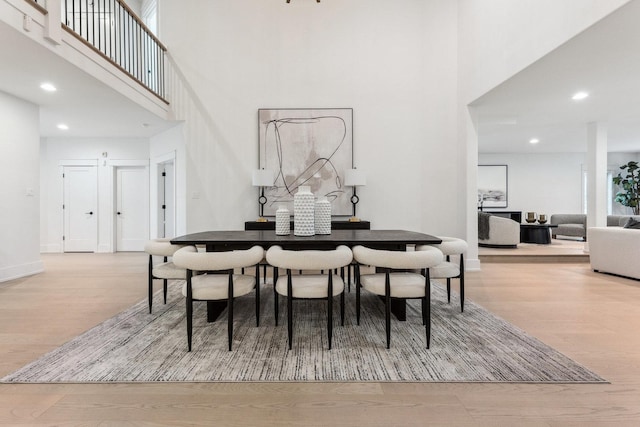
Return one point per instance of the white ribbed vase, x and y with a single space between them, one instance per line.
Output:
322 219
303 212
283 221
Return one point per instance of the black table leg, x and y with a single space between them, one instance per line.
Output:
214 309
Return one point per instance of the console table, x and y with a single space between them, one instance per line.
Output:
335 225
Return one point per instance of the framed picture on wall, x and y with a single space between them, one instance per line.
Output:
307 146
493 186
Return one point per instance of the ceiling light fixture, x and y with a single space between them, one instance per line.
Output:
48 87
289 1
534 140
62 126
579 95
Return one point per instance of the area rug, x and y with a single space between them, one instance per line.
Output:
135 346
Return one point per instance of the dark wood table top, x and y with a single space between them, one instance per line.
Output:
381 239
533 225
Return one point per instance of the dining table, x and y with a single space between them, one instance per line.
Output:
227 240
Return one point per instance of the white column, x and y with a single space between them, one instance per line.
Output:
596 175
469 128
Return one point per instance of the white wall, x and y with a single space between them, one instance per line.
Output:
55 151
551 183
394 63
20 192
542 183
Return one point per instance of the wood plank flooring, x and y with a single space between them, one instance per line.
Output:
592 318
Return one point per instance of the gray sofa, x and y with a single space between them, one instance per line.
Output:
575 225
570 225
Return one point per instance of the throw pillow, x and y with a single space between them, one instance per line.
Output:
632 223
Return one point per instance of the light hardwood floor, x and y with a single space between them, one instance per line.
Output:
592 318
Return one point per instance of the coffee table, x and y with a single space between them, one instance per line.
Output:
536 233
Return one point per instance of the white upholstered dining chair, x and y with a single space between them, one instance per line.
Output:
215 280
448 269
166 270
309 286
398 279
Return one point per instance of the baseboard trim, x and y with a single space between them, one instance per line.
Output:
17 271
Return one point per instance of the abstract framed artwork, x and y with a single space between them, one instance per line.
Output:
307 146
492 186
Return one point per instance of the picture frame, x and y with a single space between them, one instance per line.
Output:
493 189
306 146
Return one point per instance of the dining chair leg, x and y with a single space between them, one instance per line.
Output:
230 310
189 303
357 283
289 308
150 290
427 300
387 308
164 285
448 289
330 308
342 308
258 295
275 294
461 283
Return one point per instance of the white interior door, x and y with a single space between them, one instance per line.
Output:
132 208
80 191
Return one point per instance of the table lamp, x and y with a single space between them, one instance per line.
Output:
262 178
354 178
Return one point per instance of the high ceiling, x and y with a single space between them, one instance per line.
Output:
604 61
89 107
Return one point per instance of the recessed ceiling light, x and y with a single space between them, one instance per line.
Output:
62 126
48 87
534 140
579 95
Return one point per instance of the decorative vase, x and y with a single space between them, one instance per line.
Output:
542 218
322 217
531 217
303 212
283 221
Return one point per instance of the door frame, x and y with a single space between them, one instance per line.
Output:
153 191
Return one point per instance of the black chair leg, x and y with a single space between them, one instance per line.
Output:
230 310
257 295
189 302
461 283
289 308
165 289
448 290
357 284
342 308
387 309
164 285
275 294
427 301
330 309
150 283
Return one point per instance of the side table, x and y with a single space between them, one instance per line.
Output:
536 233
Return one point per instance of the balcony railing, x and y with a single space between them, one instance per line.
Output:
111 28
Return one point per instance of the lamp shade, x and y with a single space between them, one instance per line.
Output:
355 177
263 178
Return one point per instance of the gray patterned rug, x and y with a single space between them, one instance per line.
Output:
474 346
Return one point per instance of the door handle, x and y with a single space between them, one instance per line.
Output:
118 213
90 213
